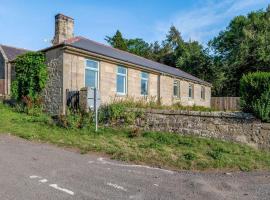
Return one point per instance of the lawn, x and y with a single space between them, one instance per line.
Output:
157 149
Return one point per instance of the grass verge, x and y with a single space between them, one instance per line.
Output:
152 148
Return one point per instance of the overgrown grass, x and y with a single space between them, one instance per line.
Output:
152 148
151 102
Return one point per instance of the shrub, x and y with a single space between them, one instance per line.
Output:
116 113
31 76
74 120
255 94
136 132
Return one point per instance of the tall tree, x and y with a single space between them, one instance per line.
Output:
117 41
243 47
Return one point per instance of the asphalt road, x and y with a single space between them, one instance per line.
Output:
41 171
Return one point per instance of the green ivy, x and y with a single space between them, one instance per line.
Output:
31 76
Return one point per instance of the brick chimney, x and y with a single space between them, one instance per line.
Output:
64 28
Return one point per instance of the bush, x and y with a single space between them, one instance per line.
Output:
116 113
255 94
31 76
74 120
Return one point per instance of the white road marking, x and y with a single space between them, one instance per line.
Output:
117 186
55 186
156 185
138 166
43 181
34 176
90 162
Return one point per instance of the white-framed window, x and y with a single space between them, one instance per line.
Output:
92 74
191 91
176 88
202 92
121 80
144 83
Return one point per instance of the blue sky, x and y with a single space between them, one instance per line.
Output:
30 23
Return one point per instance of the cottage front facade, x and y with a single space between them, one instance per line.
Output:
77 62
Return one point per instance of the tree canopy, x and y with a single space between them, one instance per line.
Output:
242 48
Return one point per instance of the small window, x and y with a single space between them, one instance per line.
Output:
144 83
202 92
121 85
92 73
176 88
191 91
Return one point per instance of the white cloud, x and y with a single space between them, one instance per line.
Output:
208 18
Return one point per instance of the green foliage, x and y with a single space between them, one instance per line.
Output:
75 120
127 110
116 113
242 48
31 75
255 94
117 41
190 156
165 150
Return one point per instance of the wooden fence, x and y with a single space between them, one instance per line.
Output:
225 103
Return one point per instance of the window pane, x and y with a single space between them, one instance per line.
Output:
144 87
92 64
90 78
122 70
121 84
203 92
176 89
144 75
190 91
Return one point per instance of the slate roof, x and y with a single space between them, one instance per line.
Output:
108 51
12 52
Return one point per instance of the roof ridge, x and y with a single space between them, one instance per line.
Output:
15 47
132 54
75 39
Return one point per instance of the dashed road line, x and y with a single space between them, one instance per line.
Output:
43 181
55 186
34 176
134 166
117 186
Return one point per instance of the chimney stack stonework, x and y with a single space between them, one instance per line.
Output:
64 28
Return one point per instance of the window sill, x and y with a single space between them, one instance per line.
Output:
120 95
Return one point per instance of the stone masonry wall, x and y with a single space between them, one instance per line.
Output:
238 127
53 93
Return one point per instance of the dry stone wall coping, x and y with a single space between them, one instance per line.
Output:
236 115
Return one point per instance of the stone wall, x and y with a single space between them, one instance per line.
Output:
232 126
53 93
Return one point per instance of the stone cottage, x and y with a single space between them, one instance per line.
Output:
75 62
7 54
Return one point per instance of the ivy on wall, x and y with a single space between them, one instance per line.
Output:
31 76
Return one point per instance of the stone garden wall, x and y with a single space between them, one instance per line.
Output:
232 126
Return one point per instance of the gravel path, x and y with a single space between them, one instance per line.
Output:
30 170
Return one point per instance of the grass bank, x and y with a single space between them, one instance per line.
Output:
152 148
